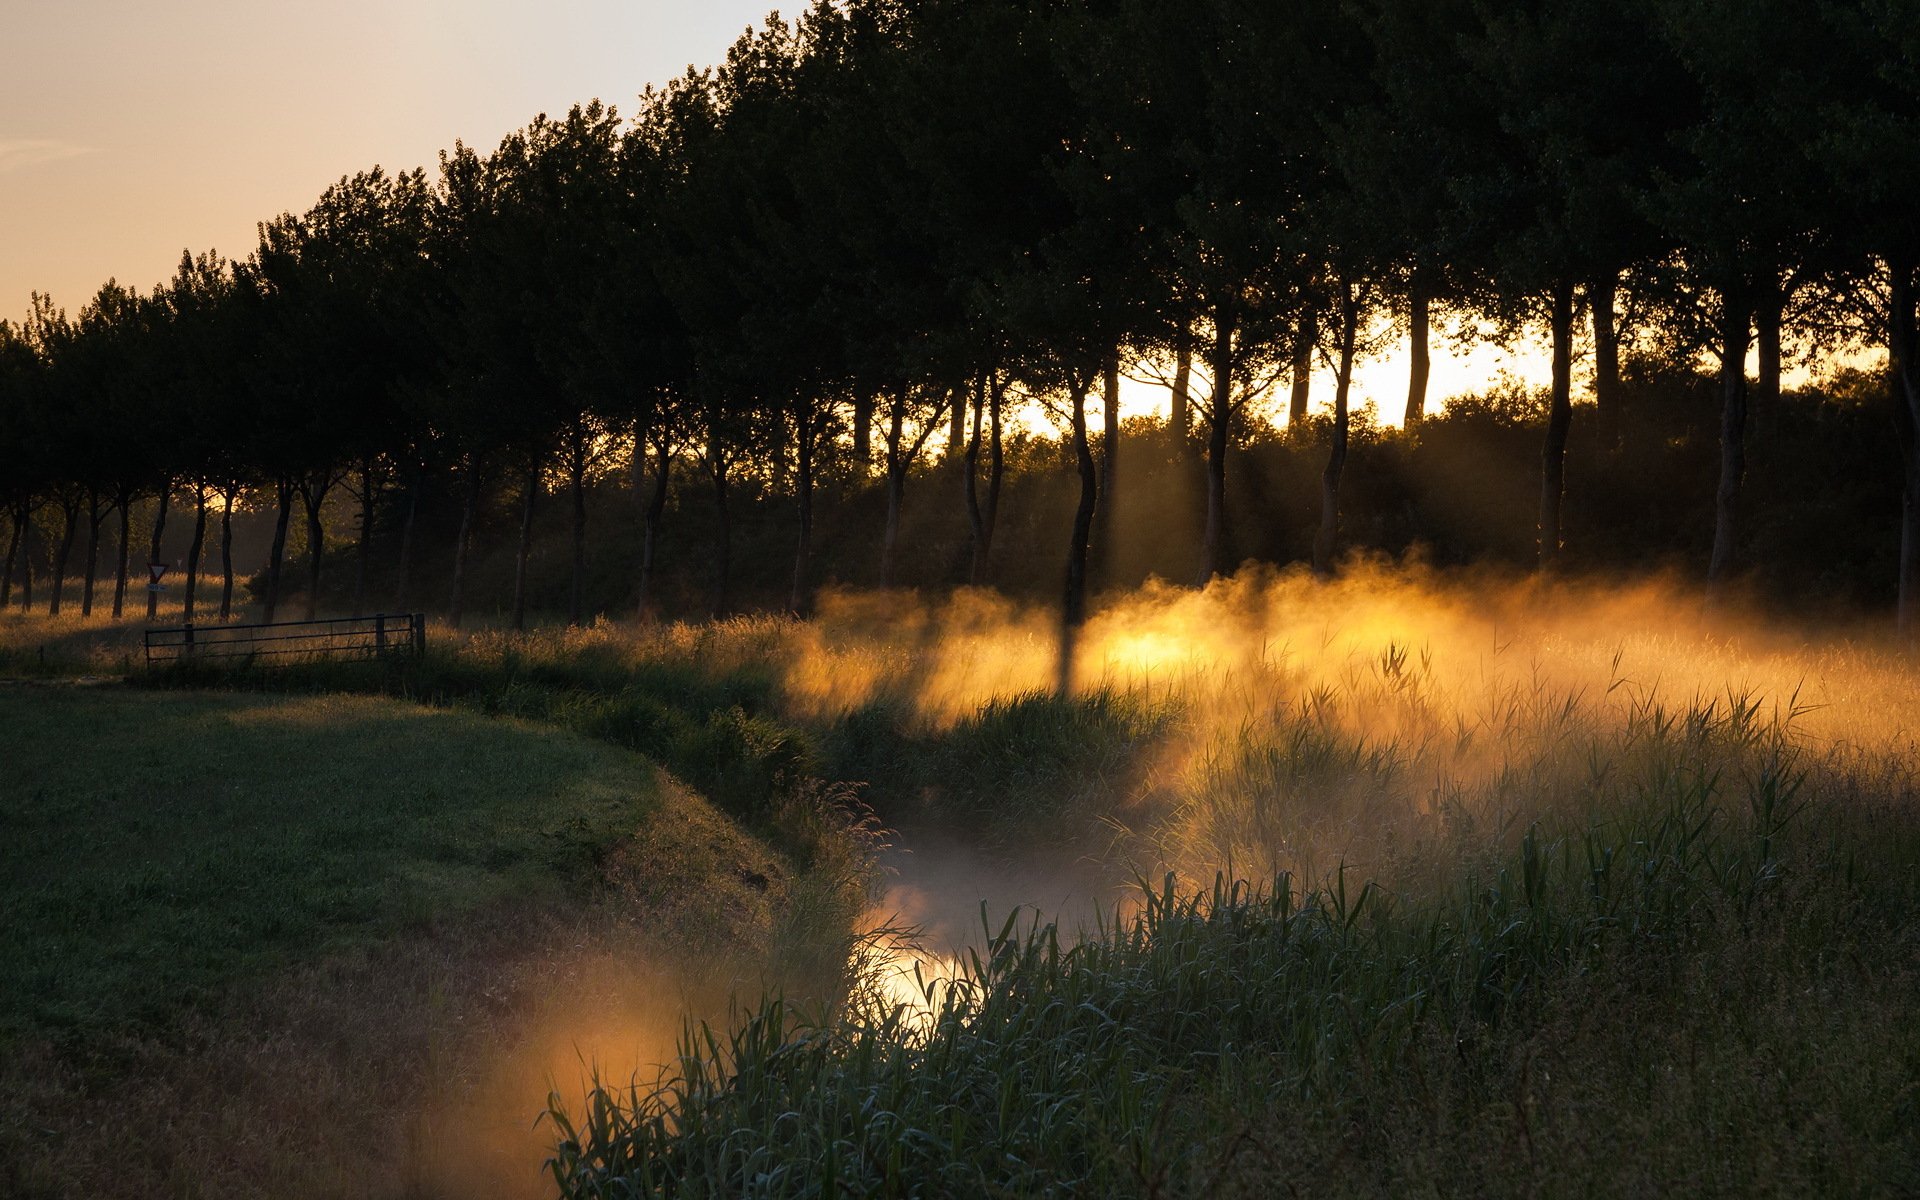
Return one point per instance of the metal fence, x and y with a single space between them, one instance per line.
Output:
342 637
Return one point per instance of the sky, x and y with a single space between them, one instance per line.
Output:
132 130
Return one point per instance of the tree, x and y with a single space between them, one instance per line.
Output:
1582 101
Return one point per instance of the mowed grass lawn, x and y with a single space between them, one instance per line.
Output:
160 847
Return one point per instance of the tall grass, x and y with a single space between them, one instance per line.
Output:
1401 859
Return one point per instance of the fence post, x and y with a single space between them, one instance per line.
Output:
188 651
380 635
419 623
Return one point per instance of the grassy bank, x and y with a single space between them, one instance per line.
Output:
334 945
162 845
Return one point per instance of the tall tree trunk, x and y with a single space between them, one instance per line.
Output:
1180 420
1305 341
957 425
529 493
862 432
94 517
1327 542
717 470
1735 325
805 427
16 527
577 486
896 485
153 546
1073 611
1418 305
1903 349
1767 315
1104 540
656 508
1553 456
463 540
363 548
1219 423
26 563
70 508
122 550
403 577
313 495
982 516
227 492
195 548
277 553
1603 297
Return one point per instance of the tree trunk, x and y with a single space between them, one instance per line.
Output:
957 425
577 485
16 527
313 496
1553 456
529 493
805 428
277 554
1073 612
26 564
363 550
982 516
1180 420
717 468
976 517
403 578
862 432
1735 324
1305 342
896 485
1766 388
1903 345
1603 297
1418 304
469 505
1219 420
71 529
1104 541
153 547
195 548
227 492
1327 541
123 548
94 517
656 508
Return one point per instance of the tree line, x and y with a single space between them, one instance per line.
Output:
888 222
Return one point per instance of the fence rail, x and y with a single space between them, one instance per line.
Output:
340 637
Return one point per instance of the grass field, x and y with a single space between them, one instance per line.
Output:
225 836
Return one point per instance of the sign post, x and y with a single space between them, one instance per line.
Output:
155 572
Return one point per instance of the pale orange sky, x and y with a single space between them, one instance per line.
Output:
130 129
